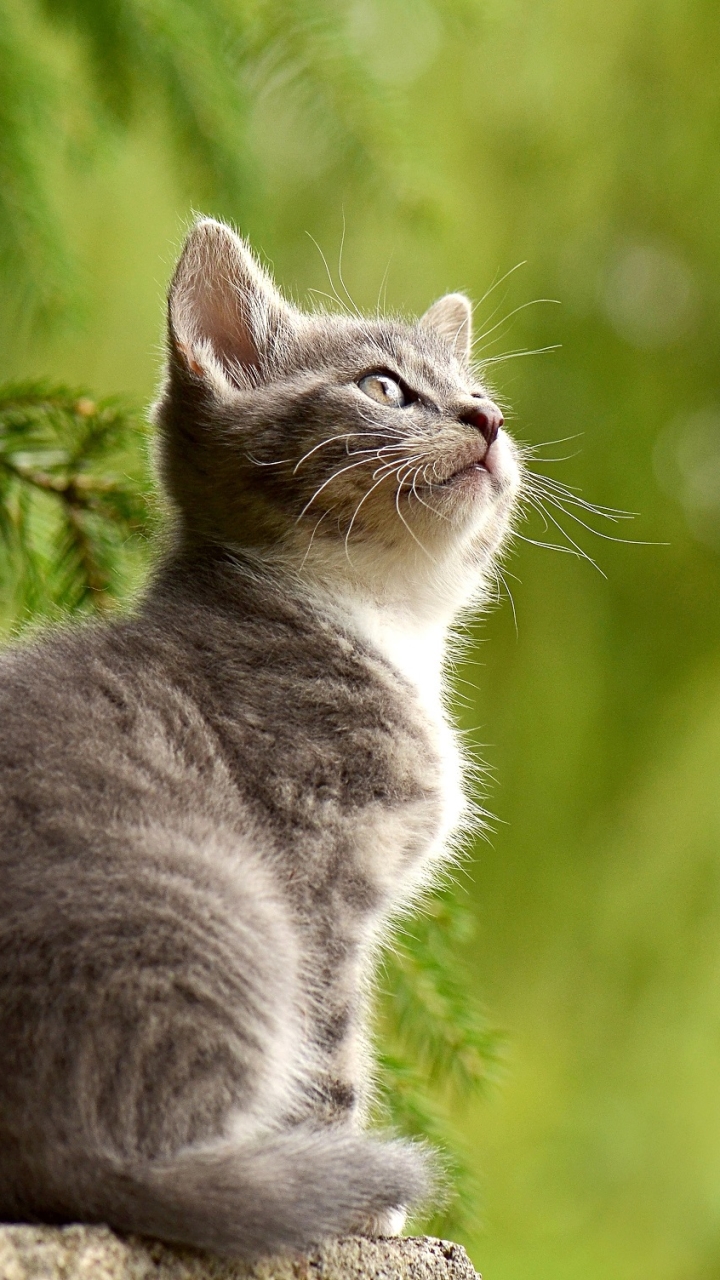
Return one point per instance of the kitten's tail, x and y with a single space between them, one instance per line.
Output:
288 1191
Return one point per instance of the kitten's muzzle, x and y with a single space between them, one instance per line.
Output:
479 456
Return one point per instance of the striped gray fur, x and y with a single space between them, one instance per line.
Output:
211 809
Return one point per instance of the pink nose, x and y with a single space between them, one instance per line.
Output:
486 418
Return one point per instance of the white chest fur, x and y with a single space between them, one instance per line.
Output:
418 653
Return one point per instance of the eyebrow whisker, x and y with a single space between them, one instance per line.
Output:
523 307
522 351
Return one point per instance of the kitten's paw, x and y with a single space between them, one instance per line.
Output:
388 1223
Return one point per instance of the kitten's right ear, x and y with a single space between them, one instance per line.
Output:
225 314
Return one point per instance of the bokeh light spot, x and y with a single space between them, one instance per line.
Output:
687 465
649 295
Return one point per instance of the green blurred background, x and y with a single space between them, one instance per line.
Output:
453 142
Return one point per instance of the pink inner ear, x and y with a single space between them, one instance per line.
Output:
221 297
234 342
220 315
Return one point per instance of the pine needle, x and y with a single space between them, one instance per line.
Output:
76 506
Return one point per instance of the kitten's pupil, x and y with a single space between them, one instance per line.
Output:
383 388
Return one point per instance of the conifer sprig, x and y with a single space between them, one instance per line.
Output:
206 67
439 1051
75 501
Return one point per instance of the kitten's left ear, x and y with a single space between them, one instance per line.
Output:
451 317
225 314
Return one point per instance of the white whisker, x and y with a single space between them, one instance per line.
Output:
334 476
345 435
335 293
382 291
537 506
500 577
350 299
496 283
607 537
515 355
563 457
523 307
407 526
413 490
549 546
280 462
550 487
529 450
387 472
312 536
583 554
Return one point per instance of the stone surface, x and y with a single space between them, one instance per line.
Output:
96 1253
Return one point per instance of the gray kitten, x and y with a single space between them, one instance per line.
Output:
210 810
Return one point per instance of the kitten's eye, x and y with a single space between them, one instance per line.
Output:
384 389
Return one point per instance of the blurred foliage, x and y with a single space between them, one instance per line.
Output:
582 141
206 66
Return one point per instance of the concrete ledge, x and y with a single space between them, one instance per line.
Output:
96 1253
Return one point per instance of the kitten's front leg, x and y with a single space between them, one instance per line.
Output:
341 1085
346 1099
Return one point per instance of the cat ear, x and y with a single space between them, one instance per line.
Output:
451 317
225 313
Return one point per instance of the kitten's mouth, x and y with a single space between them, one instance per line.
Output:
484 463
463 472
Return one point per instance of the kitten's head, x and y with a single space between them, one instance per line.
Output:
365 450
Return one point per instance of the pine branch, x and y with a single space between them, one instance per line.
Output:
407 1106
428 992
206 64
442 1051
75 500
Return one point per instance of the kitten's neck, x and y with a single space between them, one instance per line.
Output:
408 627
407 616
411 593
414 648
